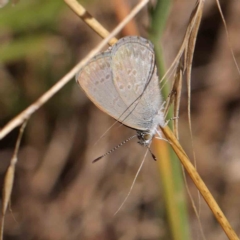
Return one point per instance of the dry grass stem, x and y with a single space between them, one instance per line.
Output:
177 88
175 97
89 20
187 47
184 45
196 211
196 20
200 184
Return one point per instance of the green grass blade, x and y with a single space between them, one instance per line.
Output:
169 166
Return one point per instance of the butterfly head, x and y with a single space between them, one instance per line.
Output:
145 137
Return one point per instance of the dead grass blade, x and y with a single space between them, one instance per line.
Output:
177 88
20 119
9 178
228 38
174 97
183 47
189 51
187 48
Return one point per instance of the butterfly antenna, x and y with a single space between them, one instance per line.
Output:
113 149
153 156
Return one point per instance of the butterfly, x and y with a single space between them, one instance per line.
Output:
123 82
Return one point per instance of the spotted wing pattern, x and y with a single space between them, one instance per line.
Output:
95 79
123 82
135 78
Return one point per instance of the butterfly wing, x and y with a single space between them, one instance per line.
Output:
95 78
136 81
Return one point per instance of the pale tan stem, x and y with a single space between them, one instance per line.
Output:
200 184
89 20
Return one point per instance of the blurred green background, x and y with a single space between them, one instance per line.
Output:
58 193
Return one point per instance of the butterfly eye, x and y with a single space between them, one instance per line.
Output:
147 136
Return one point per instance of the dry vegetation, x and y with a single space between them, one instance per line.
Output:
58 193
